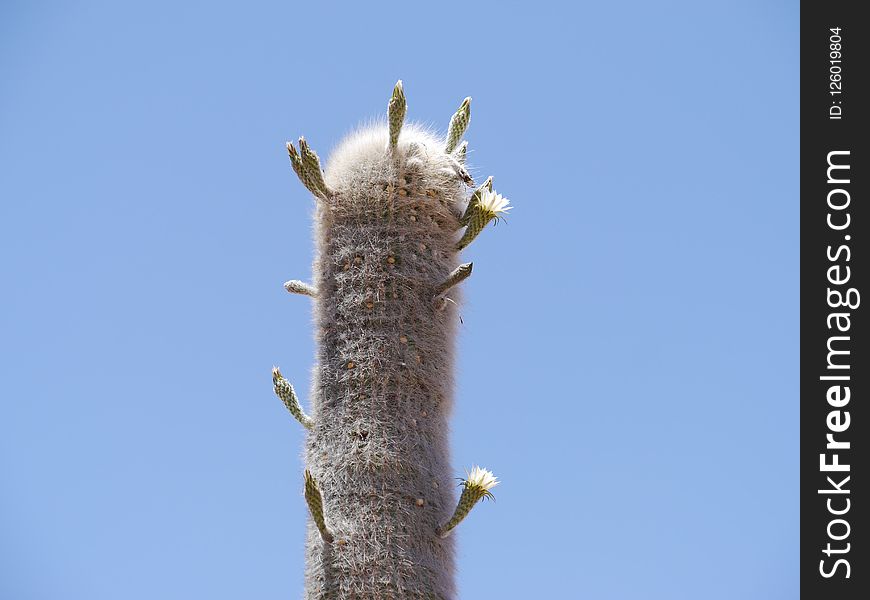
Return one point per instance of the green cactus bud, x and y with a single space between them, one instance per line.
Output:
458 124
462 152
295 286
458 275
296 162
284 390
315 505
396 113
313 172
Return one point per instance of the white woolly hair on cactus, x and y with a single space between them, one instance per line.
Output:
392 215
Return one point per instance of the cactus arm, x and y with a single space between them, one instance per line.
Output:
315 505
458 124
396 110
284 390
294 286
458 275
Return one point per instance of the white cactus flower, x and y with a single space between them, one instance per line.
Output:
492 204
481 479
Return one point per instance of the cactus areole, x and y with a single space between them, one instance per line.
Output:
393 211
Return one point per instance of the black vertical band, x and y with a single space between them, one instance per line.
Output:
835 370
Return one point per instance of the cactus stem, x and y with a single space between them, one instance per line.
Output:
284 390
315 505
458 124
396 110
475 488
458 275
295 286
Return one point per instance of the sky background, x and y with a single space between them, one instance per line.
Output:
629 356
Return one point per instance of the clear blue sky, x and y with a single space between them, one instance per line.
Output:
628 363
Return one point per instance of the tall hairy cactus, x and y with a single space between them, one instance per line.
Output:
392 215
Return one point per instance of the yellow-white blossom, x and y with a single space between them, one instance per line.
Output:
482 479
493 204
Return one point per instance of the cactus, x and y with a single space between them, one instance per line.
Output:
391 208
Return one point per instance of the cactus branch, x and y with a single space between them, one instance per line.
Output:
458 275
458 124
315 506
284 390
475 488
294 286
396 113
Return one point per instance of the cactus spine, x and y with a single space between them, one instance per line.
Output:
390 214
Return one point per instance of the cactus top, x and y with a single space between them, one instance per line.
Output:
365 177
